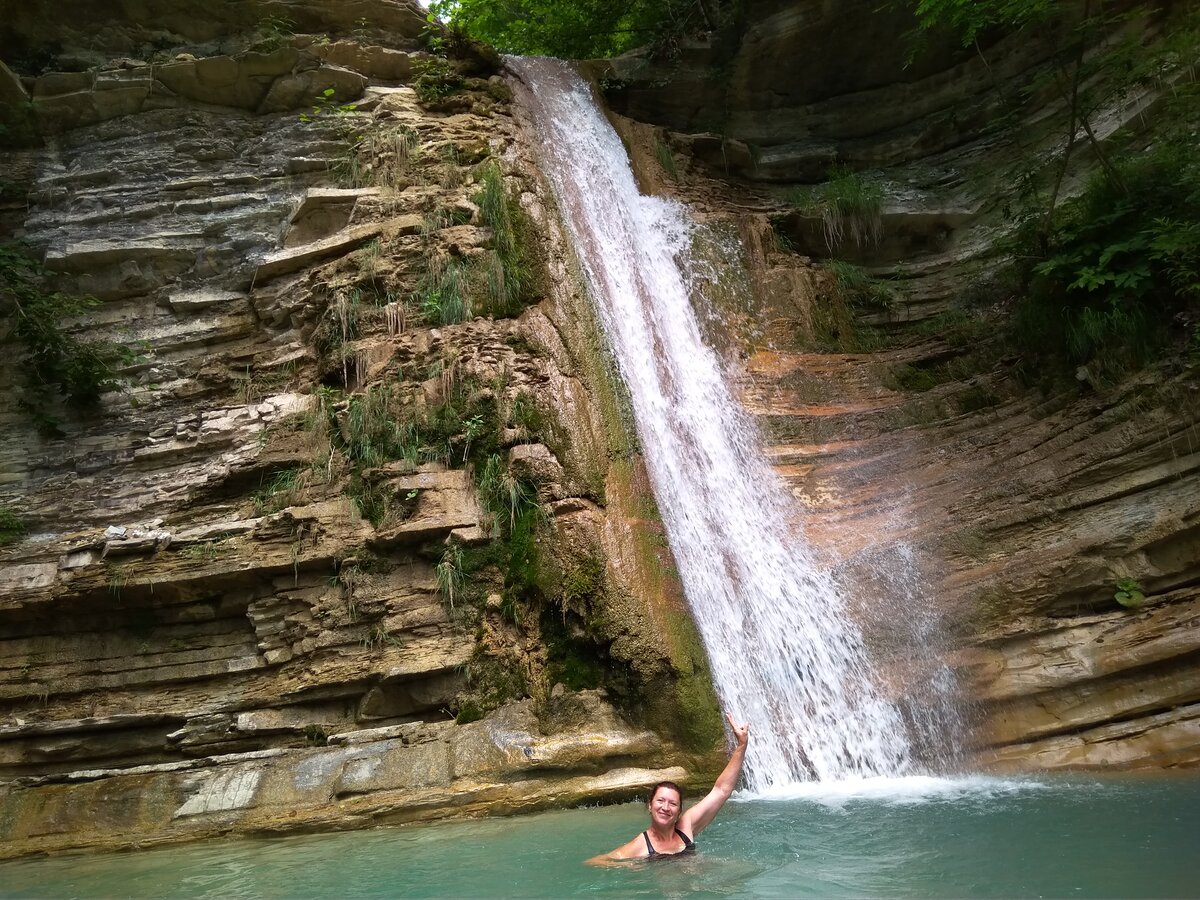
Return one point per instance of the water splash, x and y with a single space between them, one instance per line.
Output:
784 655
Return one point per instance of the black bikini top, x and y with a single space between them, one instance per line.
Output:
689 846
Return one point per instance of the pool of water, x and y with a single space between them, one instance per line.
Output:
924 837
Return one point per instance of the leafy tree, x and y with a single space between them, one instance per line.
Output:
577 29
967 18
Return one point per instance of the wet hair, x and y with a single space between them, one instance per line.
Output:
665 784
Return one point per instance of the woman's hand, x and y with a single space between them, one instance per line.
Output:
740 732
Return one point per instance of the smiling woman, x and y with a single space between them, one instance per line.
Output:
673 830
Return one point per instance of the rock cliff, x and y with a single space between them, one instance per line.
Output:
234 595
982 524
268 585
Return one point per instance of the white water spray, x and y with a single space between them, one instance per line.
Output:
784 655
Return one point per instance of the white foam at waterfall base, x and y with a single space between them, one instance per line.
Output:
784 654
906 790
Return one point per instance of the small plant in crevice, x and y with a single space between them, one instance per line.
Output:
374 433
493 679
205 551
510 264
450 575
443 295
1129 594
453 175
436 80
504 496
860 289
393 156
315 736
285 489
834 319
850 207
273 32
379 636
325 105
337 329
12 529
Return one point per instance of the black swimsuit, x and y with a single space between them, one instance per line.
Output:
689 846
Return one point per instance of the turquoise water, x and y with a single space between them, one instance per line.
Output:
897 838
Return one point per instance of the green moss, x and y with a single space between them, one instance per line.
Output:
492 681
12 529
469 711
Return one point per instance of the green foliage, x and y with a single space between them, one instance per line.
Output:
12 529
583 29
285 489
469 711
505 497
375 431
1116 264
493 679
326 104
1129 594
849 205
450 574
510 265
525 414
436 80
444 294
966 19
861 290
273 32
55 363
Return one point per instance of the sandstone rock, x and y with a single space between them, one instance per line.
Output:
293 259
322 212
373 61
536 463
300 89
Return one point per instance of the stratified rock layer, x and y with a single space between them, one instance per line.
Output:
202 631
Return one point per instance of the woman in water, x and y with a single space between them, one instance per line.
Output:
673 830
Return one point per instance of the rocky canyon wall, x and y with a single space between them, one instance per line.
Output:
258 588
980 516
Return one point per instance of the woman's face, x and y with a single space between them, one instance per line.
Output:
665 807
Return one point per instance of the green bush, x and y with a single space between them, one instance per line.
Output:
12 529
55 363
443 296
1117 263
273 32
510 265
585 29
504 496
375 430
436 80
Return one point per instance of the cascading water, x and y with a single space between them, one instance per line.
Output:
783 654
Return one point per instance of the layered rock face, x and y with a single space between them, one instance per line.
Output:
225 611
981 527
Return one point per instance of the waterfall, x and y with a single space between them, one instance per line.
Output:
783 653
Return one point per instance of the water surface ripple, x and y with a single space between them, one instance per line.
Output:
978 837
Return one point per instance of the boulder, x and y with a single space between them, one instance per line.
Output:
299 89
